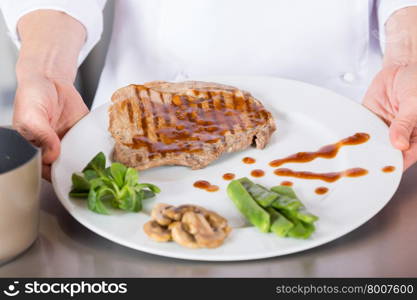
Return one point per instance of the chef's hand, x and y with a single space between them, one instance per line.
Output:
45 109
47 103
393 96
393 92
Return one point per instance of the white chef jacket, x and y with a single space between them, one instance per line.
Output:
331 43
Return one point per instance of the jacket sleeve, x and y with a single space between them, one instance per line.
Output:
385 8
87 12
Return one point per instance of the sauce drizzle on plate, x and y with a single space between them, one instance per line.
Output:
205 185
287 183
328 177
257 173
329 151
212 188
388 169
321 190
249 160
228 176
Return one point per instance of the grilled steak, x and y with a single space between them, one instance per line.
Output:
189 123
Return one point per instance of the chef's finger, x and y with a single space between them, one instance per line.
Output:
37 130
403 124
375 95
46 172
410 155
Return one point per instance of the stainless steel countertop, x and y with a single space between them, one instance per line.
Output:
384 246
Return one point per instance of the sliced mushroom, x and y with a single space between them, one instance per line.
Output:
182 236
157 232
158 214
204 234
175 213
216 220
227 230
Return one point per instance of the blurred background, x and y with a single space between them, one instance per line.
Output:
88 74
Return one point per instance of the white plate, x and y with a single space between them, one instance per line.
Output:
307 117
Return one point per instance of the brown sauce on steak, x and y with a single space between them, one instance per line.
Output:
190 122
329 151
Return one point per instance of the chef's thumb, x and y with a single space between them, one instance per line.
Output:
403 125
51 146
38 131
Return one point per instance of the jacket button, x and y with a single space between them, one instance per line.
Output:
349 77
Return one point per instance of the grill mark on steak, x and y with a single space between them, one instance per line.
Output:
200 106
240 105
236 121
215 120
166 100
163 115
189 107
204 116
265 114
155 112
173 121
149 114
170 117
255 115
207 113
145 140
129 111
141 117
179 114
231 119
224 121
188 122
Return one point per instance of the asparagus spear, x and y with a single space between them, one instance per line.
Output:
248 206
301 230
280 225
284 191
261 194
305 216
289 202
